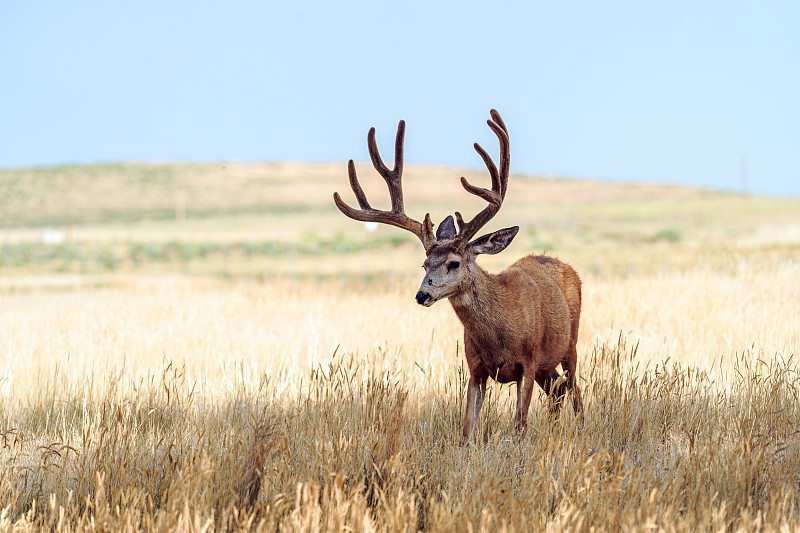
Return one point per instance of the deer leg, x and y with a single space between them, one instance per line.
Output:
555 393
476 391
570 367
524 396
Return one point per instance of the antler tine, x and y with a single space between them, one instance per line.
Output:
496 117
505 156
499 177
393 178
359 192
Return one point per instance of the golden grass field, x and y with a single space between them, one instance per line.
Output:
215 347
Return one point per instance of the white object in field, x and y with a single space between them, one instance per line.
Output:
370 226
52 236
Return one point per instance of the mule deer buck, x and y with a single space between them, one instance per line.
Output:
519 325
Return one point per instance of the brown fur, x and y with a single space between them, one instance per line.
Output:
519 325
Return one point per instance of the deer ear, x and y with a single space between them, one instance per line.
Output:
494 243
446 229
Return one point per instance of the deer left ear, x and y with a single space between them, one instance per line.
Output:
494 243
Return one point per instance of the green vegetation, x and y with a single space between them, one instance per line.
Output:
27 256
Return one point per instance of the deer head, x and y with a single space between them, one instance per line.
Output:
450 262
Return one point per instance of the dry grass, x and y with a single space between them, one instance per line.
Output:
163 396
164 389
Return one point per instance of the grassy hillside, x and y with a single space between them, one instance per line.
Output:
197 347
242 219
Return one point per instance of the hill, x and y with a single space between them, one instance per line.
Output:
204 218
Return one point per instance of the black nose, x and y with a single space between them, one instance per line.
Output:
423 297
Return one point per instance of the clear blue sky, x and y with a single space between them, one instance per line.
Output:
686 91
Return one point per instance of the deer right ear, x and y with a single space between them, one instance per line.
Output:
494 243
446 229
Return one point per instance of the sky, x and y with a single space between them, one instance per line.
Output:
695 92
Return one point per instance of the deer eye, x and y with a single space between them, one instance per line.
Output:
452 265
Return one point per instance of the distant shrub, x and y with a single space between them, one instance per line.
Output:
670 235
107 259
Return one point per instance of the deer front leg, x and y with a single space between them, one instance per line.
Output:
476 391
524 396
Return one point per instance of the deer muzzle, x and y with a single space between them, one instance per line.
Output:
424 298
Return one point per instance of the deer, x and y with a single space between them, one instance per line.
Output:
520 324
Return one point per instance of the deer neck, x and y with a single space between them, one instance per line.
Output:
478 305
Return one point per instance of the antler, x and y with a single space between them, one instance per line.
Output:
397 216
499 183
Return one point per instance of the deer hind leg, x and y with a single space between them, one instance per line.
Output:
554 389
476 391
570 365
